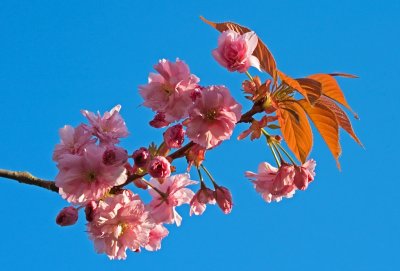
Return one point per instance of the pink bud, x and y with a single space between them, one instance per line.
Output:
224 199
174 136
141 157
115 156
159 121
67 216
304 174
89 210
159 167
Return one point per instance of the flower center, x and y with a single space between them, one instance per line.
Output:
211 114
168 88
91 176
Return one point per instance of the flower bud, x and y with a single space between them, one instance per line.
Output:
174 136
115 156
141 157
159 167
67 216
159 121
89 210
224 199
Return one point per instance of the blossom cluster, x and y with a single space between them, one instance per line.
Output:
94 170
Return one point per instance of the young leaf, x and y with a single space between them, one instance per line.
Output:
297 134
312 87
293 84
325 122
267 61
331 88
341 117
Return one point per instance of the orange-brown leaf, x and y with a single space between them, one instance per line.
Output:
341 117
327 125
312 87
331 88
296 132
342 74
293 83
267 61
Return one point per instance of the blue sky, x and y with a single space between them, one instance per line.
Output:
57 57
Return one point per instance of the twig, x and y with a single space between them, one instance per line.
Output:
27 178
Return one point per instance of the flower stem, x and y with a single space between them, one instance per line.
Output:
202 184
270 144
209 175
249 75
287 154
162 194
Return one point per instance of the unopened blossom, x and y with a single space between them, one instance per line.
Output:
159 167
224 199
169 90
115 156
212 117
304 174
120 222
67 216
85 177
109 128
174 136
159 120
234 51
200 200
156 235
90 208
174 194
141 157
73 141
273 183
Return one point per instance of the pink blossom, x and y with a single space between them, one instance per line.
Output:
304 174
174 136
159 167
90 208
120 222
200 199
224 199
109 127
67 216
235 51
174 194
115 156
85 177
159 120
274 183
73 141
213 117
156 235
141 157
169 90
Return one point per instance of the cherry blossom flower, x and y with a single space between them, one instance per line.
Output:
67 216
235 51
159 120
168 92
304 174
156 235
224 199
115 156
159 167
213 117
141 157
175 194
85 177
109 128
120 222
73 141
274 183
174 136
200 199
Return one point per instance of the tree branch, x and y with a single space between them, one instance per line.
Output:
27 178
